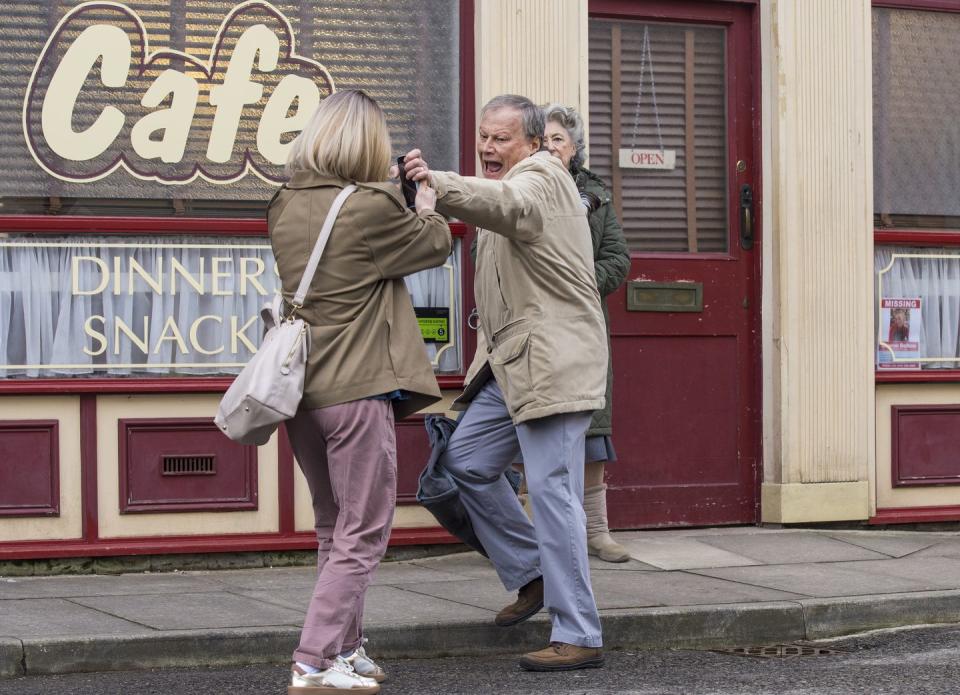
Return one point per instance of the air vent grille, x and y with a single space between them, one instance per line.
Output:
189 465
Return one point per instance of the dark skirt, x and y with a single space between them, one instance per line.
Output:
599 447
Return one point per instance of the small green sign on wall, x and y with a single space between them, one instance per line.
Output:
434 323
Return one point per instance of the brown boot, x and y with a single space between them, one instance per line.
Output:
529 602
599 541
560 656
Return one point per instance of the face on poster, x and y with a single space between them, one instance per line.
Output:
900 337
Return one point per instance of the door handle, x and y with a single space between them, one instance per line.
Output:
746 216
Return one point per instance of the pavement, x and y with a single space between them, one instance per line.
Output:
694 588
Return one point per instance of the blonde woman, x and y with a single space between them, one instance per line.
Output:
367 365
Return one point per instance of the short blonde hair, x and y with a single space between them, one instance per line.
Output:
346 137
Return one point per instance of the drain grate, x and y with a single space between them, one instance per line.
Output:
781 651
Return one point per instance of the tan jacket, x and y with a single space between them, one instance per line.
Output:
365 340
542 331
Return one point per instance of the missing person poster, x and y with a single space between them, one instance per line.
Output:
900 334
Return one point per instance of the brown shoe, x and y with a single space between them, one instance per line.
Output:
529 602
560 656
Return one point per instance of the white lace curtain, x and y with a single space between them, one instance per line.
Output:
936 282
46 327
432 288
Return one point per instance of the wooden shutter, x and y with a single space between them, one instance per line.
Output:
684 209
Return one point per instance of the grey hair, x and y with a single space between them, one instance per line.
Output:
571 121
530 114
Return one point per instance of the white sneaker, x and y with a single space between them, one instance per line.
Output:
337 679
364 665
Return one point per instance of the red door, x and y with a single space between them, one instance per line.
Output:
674 130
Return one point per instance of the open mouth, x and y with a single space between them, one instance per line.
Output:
492 168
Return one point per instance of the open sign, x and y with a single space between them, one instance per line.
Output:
647 159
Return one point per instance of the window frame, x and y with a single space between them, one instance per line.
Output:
243 227
921 238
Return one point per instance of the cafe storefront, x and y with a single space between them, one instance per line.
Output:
141 142
785 348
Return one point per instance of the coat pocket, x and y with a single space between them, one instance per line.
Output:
510 349
511 366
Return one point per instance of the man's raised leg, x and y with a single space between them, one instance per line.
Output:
480 450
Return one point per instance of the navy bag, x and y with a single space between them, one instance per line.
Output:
438 491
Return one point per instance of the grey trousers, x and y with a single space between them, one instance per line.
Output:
482 447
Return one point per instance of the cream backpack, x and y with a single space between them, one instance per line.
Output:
269 389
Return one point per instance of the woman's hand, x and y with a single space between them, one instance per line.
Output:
426 198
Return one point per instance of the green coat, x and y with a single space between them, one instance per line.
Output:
611 263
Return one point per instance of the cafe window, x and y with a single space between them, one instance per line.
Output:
916 119
164 107
916 149
170 306
154 110
918 322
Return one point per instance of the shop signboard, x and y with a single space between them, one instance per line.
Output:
254 92
160 101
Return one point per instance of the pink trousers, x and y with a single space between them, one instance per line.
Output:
348 454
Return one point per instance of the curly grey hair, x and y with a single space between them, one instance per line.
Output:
530 114
571 121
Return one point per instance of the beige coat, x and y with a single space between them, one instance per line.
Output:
542 331
365 339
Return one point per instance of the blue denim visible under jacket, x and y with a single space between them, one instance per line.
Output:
438 491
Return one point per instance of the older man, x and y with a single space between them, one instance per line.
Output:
538 374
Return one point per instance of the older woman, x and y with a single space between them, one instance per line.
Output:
367 365
564 140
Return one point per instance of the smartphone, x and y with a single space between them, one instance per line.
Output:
409 187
